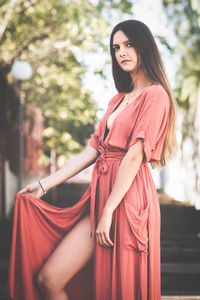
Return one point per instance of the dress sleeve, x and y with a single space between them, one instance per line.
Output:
94 138
151 124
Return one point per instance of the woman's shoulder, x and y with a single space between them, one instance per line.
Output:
157 92
156 89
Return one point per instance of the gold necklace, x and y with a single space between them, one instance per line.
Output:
127 101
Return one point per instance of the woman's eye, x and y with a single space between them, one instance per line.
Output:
129 44
115 48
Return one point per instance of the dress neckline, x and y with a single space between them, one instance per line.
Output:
117 105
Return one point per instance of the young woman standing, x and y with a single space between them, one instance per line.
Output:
107 246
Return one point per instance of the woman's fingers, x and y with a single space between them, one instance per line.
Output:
104 240
31 188
100 241
24 190
108 240
103 229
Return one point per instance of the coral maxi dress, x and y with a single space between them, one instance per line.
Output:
131 269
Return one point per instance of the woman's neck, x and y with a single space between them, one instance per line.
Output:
139 80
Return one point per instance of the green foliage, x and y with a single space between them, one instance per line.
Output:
54 36
185 15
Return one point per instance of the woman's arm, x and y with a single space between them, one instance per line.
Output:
71 168
127 171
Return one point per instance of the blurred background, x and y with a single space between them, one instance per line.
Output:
55 84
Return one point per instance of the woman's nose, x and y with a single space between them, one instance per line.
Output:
122 53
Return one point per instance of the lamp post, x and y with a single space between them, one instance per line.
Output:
21 71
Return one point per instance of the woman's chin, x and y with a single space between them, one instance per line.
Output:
128 69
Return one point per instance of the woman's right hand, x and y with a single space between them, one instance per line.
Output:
32 189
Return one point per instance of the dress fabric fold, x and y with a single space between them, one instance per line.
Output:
130 270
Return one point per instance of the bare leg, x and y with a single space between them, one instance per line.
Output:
71 255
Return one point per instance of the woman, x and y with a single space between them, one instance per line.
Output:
107 246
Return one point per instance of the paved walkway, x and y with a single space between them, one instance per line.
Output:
180 297
3 296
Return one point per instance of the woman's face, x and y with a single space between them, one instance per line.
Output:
125 54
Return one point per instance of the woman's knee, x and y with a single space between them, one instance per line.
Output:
46 281
48 277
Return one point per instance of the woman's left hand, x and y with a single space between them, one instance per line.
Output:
103 230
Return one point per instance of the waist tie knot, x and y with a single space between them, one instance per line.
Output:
101 167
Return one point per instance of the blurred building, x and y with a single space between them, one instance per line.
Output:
9 144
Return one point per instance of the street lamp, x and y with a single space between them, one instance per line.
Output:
21 71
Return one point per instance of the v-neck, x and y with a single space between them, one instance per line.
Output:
115 107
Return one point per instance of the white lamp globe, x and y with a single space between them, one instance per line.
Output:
21 70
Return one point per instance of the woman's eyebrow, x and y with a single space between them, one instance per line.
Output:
122 43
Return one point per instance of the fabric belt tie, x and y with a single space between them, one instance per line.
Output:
101 166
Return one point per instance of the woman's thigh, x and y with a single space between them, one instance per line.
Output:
71 255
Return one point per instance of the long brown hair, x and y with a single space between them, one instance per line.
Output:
144 43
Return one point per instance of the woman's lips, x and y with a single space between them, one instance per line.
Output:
125 61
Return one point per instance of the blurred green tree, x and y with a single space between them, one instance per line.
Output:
53 36
185 17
